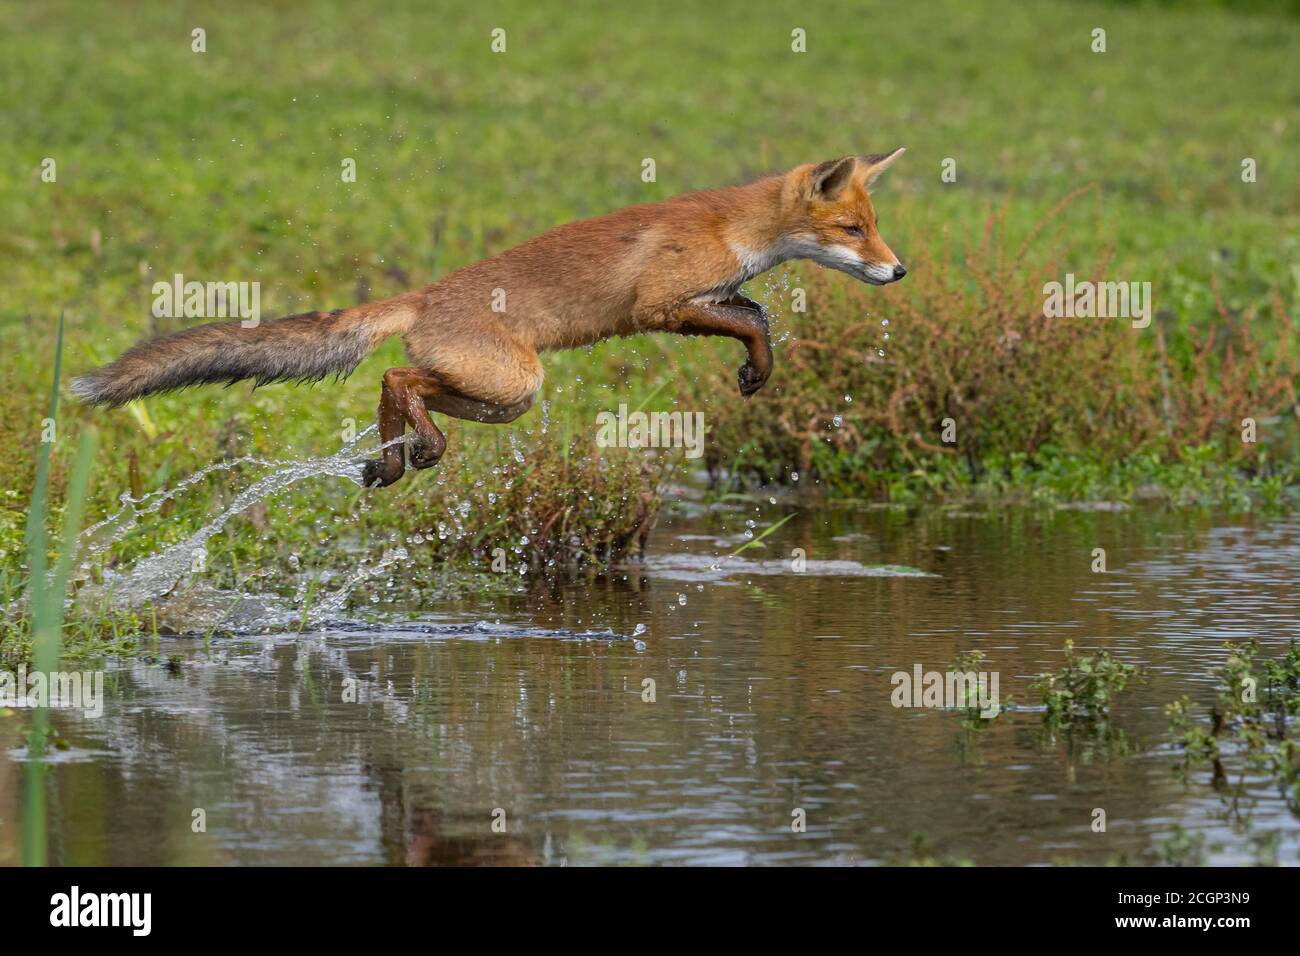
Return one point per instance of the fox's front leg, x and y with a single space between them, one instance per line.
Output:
738 318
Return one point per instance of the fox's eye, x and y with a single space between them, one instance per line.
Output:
854 231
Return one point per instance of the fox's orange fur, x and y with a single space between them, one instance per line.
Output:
473 337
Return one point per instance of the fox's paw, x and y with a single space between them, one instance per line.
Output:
751 378
425 452
376 474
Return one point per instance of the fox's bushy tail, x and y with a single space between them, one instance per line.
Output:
299 348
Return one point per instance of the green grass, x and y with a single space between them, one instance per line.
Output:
226 165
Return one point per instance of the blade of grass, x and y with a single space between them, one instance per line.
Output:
768 530
646 401
36 556
48 595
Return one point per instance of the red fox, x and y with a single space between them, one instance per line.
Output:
473 337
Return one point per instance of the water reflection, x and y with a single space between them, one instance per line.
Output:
519 731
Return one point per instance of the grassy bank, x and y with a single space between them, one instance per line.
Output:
225 165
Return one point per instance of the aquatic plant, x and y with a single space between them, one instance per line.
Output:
1083 688
921 852
974 715
1253 716
1184 848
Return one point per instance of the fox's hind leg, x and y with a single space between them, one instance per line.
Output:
407 396
402 402
457 405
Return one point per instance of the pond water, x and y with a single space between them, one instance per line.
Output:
415 740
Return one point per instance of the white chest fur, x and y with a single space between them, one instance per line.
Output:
754 262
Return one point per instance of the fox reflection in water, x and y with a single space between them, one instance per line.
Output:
415 833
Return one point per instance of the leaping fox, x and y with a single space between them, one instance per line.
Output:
473 337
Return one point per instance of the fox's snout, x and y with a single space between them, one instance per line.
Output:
900 270
880 273
880 263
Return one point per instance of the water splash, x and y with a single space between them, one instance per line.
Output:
159 573
778 288
324 610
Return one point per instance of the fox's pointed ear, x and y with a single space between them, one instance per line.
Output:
877 163
827 179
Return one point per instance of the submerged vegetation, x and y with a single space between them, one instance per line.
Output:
1082 690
